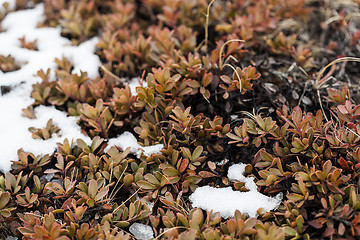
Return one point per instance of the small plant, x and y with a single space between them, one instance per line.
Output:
281 43
241 80
99 118
63 190
29 162
5 209
4 12
45 133
8 64
123 102
93 193
219 82
45 227
31 45
27 199
13 184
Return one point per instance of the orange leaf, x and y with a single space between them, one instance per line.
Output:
205 174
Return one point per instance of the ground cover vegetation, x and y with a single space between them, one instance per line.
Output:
269 83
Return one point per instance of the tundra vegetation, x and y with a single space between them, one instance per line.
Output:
269 83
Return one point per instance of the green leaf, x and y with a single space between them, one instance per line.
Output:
250 223
146 185
96 142
185 91
152 179
10 181
122 224
81 144
83 187
197 152
206 80
290 232
4 199
5 213
193 83
132 210
101 194
92 189
171 172
295 197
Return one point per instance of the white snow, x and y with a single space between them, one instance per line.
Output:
133 83
50 44
150 205
141 231
234 117
11 238
11 3
14 132
236 172
226 201
127 139
223 162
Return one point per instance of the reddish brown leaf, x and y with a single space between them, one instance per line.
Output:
329 232
107 206
211 165
324 203
67 204
343 164
183 165
205 174
315 224
341 229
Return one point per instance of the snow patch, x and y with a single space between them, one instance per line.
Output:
234 117
127 139
226 201
12 4
133 83
236 172
141 231
14 132
223 162
50 44
150 205
11 238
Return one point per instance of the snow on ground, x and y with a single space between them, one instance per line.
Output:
14 132
127 139
133 83
223 162
11 3
236 172
141 231
50 44
226 201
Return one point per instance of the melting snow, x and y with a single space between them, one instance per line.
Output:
11 3
127 139
14 132
236 172
133 83
223 162
141 231
226 201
